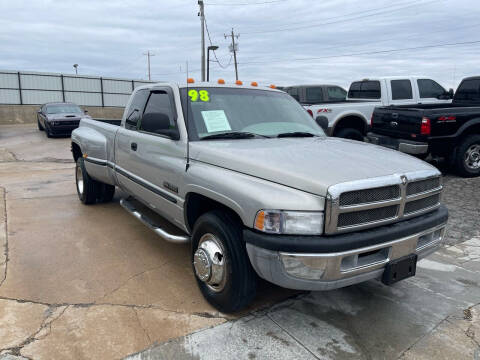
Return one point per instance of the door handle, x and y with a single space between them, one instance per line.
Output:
133 146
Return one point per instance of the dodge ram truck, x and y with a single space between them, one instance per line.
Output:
246 176
451 131
350 118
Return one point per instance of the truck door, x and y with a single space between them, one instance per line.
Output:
401 92
150 160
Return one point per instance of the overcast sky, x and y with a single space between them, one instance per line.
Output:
281 42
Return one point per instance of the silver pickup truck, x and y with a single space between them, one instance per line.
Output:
246 176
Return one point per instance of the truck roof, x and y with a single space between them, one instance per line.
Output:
477 77
396 77
208 84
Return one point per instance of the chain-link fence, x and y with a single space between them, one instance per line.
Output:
32 88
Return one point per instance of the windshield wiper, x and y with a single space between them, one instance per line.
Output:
233 135
296 134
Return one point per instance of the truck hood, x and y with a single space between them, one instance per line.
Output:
308 164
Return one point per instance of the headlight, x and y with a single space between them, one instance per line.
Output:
289 222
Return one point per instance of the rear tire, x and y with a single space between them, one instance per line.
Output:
88 189
350 133
467 156
219 256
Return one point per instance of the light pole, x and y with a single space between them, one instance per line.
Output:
76 67
211 47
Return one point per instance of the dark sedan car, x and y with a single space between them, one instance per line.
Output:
59 118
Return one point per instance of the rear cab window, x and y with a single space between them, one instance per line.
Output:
366 89
401 89
135 109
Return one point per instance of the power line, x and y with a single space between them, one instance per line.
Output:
347 14
338 21
244 4
214 53
364 53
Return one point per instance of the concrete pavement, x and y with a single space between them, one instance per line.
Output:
84 282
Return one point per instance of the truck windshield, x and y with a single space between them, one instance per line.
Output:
259 112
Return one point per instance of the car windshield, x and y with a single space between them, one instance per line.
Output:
63 109
260 113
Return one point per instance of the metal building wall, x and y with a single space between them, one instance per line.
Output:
31 88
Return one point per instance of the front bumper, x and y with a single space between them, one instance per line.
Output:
403 145
350 264
63 127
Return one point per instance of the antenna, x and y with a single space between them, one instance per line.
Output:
186 123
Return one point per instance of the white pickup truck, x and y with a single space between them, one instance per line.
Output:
350 118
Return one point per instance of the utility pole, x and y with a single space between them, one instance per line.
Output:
148 54
233 48
202 22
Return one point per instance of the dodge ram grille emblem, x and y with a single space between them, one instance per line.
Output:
393 123
404 180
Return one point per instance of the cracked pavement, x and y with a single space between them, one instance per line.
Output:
84 282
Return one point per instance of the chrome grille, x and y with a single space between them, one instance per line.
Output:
378 201
425 203
369 195
367 216
422 186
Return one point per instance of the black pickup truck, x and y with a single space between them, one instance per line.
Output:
451 130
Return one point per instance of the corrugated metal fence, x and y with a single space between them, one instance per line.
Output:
32 88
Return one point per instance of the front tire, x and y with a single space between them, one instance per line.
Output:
467 156
87 188
40 127
350 133
220 262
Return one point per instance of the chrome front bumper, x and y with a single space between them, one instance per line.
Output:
403 145
305 271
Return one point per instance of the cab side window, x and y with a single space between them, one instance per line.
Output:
401 89
158 117
134 112
314 95
429 88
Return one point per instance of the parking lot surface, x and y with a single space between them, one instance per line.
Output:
86 282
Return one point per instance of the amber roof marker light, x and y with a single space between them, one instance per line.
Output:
238 82
221 81
190 81
254 83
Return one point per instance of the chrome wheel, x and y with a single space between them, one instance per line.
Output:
79 178
472 157
210 263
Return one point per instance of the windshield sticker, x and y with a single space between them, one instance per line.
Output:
201 95
216 120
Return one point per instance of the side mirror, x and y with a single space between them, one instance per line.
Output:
159 123
39 111
322 121
450 93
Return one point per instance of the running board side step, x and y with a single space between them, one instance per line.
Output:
127 205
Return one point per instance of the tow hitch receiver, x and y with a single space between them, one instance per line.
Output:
400 269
